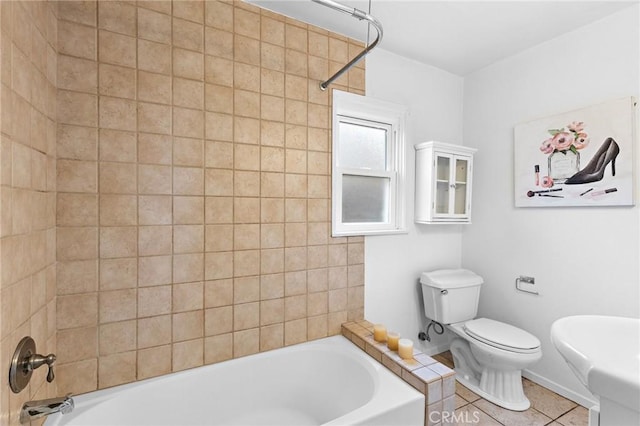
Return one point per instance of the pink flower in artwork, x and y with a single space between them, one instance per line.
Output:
547 146
562 141
576 126
572 137
582 140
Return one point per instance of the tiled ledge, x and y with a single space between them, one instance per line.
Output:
436 381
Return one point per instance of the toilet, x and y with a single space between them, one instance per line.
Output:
488 355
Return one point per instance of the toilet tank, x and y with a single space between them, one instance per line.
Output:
450 295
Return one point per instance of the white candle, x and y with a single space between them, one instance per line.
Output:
379 333
405 348
392 340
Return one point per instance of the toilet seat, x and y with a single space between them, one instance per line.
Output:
502 336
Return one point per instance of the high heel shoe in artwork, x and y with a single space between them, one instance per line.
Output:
594 171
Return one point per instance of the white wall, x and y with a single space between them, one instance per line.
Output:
393 263
584 260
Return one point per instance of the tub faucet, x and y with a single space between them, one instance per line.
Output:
35 409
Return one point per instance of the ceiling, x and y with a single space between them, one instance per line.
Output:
458 36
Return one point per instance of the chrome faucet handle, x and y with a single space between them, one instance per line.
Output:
50 374
37 360
24 361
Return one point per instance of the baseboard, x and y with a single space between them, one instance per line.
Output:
559 389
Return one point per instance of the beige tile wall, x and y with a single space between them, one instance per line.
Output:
28 58
194 188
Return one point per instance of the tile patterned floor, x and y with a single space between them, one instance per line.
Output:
547 407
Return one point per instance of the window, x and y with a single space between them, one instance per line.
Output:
368 166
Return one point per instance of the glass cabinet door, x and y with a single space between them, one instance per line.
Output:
451 191
443 176
460 186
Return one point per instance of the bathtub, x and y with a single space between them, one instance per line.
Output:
323 382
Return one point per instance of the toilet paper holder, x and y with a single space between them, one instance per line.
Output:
526 280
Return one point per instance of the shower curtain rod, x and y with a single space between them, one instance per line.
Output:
356 13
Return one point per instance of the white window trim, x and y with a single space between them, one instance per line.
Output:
352 107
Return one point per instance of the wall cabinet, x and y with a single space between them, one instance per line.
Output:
443 183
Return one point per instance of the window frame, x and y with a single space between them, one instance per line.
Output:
360 110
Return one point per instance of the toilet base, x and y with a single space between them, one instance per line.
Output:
474 385
484 375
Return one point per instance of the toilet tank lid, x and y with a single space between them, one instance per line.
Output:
451 278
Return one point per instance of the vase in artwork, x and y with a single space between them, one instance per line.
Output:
563 165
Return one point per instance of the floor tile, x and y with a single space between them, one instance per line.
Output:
471 415
464 392
579 416
460 401
547 402
444 358
529 417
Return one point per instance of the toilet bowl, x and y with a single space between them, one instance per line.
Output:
490 363
488 355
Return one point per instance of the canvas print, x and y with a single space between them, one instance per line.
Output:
577 158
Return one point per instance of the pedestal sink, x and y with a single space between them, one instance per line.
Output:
604 352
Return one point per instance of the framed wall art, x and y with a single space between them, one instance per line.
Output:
577 158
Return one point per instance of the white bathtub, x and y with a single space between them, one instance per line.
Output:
324 382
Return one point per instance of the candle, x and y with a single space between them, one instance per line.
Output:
379 333
405 348
392 340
